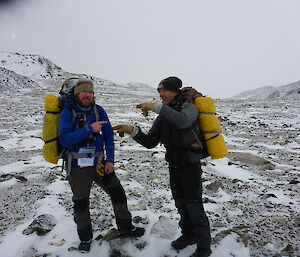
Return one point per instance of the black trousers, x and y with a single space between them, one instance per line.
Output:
186 187
81 180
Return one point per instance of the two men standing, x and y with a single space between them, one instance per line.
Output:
84 129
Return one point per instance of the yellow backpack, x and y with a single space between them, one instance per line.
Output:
209 123
52 150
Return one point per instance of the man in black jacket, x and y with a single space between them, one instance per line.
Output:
173 127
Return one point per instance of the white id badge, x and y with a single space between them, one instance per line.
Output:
86 162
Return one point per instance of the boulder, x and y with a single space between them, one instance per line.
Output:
164 228
249 158
42 225
214 186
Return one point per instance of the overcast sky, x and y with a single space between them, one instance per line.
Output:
221 47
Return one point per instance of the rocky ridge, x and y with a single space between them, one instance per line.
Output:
269 93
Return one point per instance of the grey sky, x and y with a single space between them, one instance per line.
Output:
220 47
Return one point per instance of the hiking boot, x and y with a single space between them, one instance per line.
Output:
134 232
84 246
201 252
182 242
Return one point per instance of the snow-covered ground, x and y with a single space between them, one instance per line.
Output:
251 197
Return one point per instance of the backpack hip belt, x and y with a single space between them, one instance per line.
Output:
76 155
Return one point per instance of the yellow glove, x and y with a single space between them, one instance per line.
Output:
146 107
121 129
100 168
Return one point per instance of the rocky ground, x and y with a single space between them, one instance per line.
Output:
253 194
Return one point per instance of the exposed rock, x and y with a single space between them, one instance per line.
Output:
140 245
59 243
41 225
266 196
20 178
250 159
117 248
218 224
297 221
110 235
138 219
117 253
208 200
5 177
164 228
214 186
288 250
269 166
218 237
294 182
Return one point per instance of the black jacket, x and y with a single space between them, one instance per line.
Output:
173 128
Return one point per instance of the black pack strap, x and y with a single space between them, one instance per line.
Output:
51 140
213 137
217 133
197 139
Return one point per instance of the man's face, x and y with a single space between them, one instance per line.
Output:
166 95
86 98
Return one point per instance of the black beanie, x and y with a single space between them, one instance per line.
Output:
171 83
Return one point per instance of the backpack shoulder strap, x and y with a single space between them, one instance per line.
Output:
95 110
97 113
190 93
74 115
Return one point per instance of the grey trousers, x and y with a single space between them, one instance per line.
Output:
81 180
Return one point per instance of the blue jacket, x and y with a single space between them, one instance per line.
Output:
73 139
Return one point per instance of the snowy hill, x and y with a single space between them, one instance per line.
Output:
12 81
33 66
288 92
251 197
40 71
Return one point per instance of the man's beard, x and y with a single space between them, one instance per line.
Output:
82 104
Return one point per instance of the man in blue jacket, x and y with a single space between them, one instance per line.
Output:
84 130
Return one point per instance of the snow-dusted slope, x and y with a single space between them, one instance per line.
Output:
288 92
11 81
33 66
251 197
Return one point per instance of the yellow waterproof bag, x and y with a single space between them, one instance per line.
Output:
51 148
210 127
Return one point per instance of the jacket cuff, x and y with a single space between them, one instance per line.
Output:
88 128
135 131
110 160
157 107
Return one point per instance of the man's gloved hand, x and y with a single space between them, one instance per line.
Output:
146 107
109 167
121 129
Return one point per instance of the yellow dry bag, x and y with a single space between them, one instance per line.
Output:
210 127
51 147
